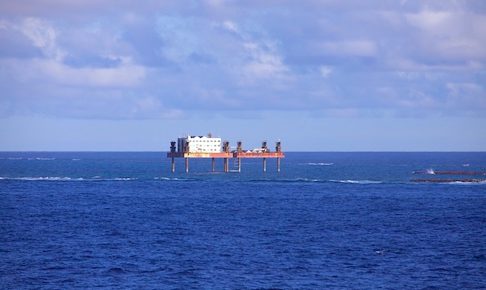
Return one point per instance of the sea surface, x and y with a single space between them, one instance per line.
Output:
326 221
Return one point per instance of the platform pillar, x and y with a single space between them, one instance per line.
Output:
278 164
187 164
212 165
239 164
264 164
173 165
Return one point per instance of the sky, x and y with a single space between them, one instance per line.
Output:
328 75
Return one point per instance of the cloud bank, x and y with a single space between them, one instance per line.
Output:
126 60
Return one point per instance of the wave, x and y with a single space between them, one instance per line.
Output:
42 178
482 182
452 182
468 182
428 171
30 158
357 181
175 179
319 163
293 180
65 178
311 180
300 180
92 179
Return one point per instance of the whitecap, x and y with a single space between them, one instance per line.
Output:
64 178
479 182
43 178
169 178
356 181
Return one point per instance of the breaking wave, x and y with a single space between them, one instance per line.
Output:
287 181
294 180
30 158
428 171
319 163
43 178
357 181
311 180
482 182
175 179
64 178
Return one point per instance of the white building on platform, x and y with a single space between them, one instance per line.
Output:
199 144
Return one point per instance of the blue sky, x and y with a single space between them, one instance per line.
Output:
319 75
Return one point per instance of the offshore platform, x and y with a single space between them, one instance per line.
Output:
209 147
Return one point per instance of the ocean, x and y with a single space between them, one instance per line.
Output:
326 221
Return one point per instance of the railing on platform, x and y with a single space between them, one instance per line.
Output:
263 153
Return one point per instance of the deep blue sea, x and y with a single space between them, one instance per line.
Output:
326 221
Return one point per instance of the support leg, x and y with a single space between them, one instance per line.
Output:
264 164
212 165
239 164
173 165
278 164
187 164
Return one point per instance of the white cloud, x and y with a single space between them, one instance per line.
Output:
430 20
208 58
362 48
152 107
260 58
325 71
43 36
461 88
214 3
53 72
466 97
230 26
456 35
126 75
410 65
265 63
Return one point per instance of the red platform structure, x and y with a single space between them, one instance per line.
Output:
226 154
